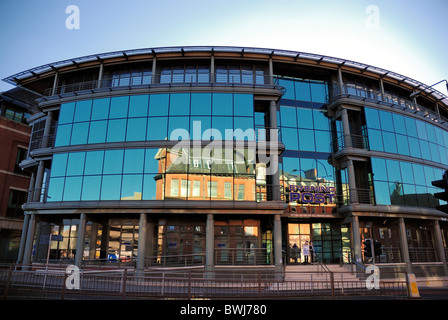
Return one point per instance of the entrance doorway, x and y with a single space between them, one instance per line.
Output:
298 235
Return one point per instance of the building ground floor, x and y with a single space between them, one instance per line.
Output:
146 240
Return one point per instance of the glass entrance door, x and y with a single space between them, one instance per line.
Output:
298 234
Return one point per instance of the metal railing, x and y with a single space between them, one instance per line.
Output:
244 256
57 283
356 195
168 80
350 140
376 96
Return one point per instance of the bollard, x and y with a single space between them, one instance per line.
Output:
412 286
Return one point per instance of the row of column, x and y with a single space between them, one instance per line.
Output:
356 243
29 226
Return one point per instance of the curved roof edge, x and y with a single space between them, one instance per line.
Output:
417 85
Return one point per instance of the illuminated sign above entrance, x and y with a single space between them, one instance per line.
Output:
311 194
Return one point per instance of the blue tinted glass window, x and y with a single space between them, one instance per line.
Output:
422 196
116 130
322 141
157 128
79 133
424 148
201 104
83 110
308 168
91 188
178 128
406 170
396 193
372 118
97 131
303 91
136 129
75 164
288 115
113 161
55 189
390 144
131 188
434 152
306 140
393 170
318 92
386 121
431 133
402 144
243 105
150 186
180 104
321 121
243 123
118 107
410 195
158 104
289 86
411 127
198 126
72 189
221 124
379 169
66 113
429 175
100 109
382 195
152 157
63 135
399 123
443 154
290 138
222 104
138 106
59 165
421 130
111 187
94 162
419 174
414 147
133 160
305 118
375 140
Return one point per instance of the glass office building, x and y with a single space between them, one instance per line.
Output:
219 156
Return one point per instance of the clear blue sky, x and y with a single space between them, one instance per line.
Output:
408 37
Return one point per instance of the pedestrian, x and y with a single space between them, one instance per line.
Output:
306 251
295 252
312 254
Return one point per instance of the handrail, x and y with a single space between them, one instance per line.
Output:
171 79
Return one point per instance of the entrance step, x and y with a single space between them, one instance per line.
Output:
315 272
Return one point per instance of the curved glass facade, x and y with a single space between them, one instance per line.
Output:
154 117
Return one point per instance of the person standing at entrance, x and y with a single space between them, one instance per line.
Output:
306 251
312 254
295 252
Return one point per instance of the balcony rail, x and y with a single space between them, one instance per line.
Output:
168 80
356 196
350 140
391 100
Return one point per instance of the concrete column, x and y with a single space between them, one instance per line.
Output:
154 68
346 128
210 246
271 72
212 69
100 75
26 221
439 246
39 180
47 129
353 192
340 81
29 240
55 82
382 89
278 254
81 240
142 232
356 240
404 245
